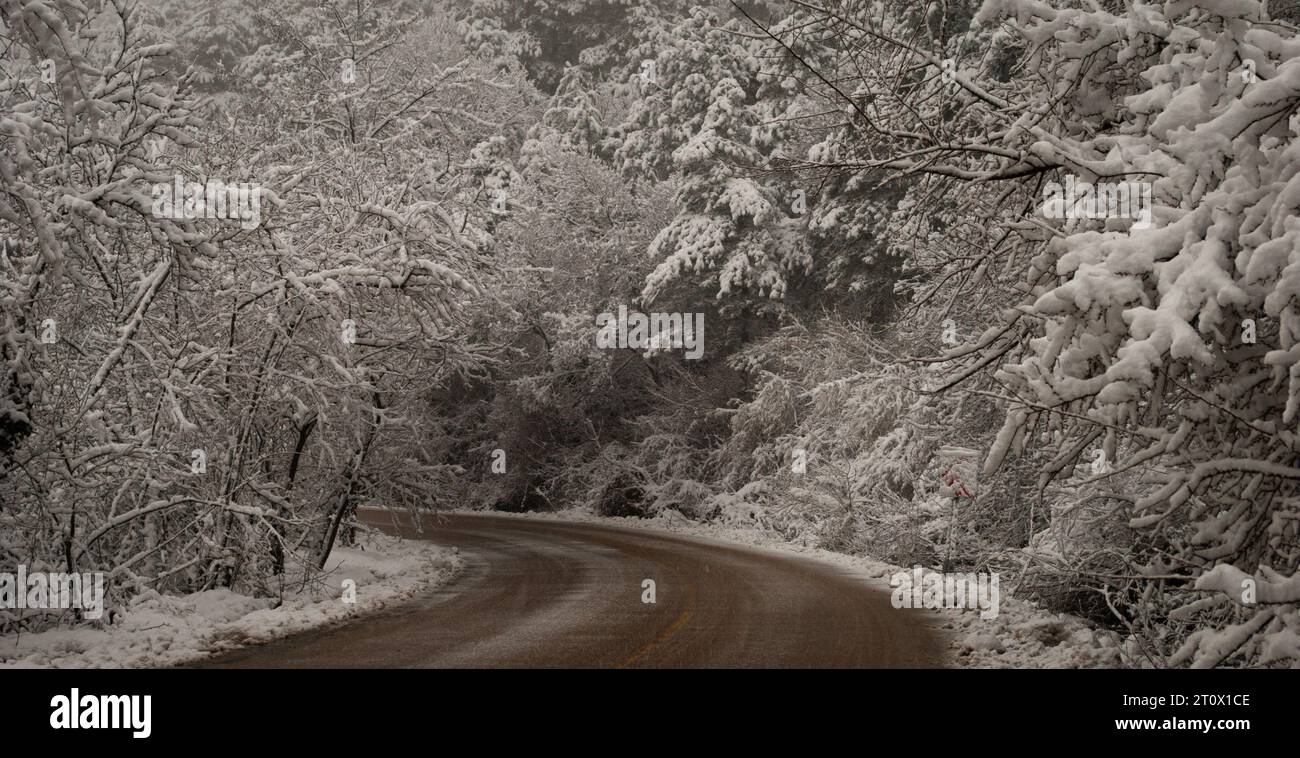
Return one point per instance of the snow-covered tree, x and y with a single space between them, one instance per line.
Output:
1160 350
193 402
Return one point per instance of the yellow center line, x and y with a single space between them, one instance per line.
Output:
667 633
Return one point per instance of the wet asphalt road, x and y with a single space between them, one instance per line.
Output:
544 593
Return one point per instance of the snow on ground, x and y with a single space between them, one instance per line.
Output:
1022 635
162 630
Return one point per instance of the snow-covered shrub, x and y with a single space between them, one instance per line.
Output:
846 445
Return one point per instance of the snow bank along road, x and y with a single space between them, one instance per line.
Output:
543 593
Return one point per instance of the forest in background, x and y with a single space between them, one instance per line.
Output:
903 357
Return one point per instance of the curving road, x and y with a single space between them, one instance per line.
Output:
542 593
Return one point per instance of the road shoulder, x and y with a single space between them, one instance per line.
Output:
156 630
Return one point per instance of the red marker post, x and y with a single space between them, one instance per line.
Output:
957 480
